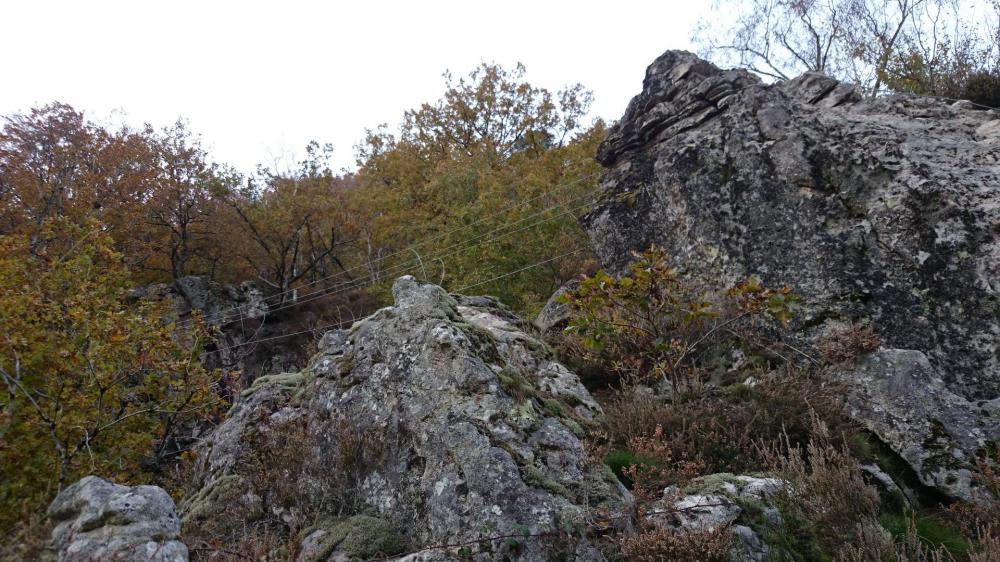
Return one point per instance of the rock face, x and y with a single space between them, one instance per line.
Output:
100 521
239 316
885 209
463 427
898 396
219 304
555 315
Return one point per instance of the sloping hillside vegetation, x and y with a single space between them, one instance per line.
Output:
765 318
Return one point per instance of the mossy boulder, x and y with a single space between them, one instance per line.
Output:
360 537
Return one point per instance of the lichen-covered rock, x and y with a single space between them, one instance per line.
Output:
743 504
478 430
555 315
96 520
218 304
884 209
899 397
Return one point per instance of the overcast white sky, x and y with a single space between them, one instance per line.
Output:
260 79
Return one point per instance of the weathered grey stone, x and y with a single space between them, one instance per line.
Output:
482 429
242 323
885 209
719 501
219 304
899 397
96 520
555 315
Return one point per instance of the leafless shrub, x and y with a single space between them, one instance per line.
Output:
848 343
981 520
721 429
28 540
988 549
872 543
826 494
658 544
669 462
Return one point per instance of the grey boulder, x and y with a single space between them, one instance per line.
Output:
898 396
483 433
96 520
883 211
886 210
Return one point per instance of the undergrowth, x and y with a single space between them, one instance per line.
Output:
703 381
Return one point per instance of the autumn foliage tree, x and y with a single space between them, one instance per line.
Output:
183 212
294 227
54 163
652 324
493 174
92 383
154 191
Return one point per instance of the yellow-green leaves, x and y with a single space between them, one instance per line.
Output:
650 323
93 383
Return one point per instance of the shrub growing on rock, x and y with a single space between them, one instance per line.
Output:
651 326
654 545
827 497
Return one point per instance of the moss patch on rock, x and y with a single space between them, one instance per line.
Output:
211 499
360 537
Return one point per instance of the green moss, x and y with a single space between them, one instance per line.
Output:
939 444
516 384
553 407
481 339
210 500
531 475
361 537
575 427
571 400
609 475
285 382
556 488
534 477
621 459
713 484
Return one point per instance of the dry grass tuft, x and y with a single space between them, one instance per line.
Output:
656 545
848 343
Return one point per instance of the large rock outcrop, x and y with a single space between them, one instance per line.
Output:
459 427
886 210
238 317
98 521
